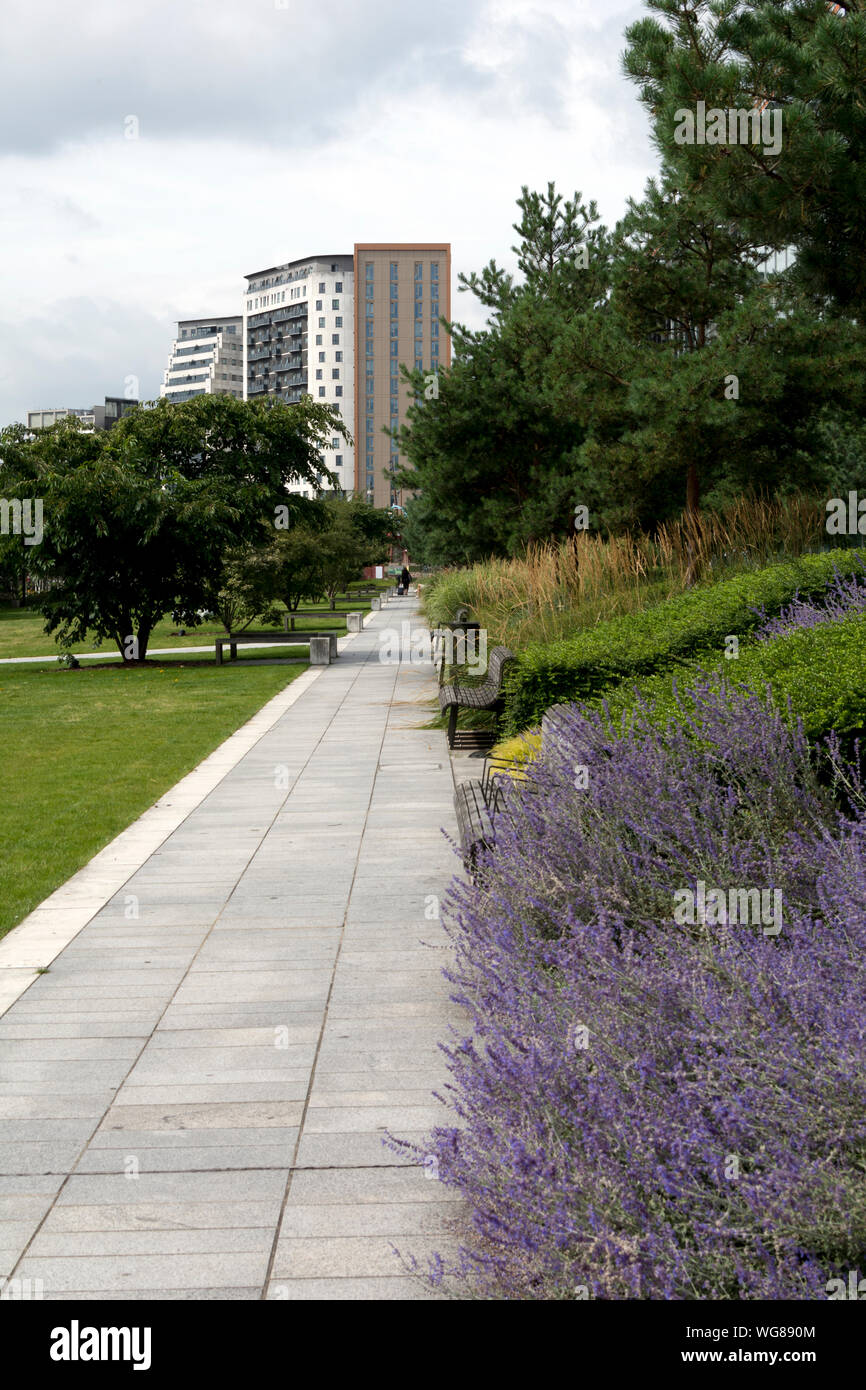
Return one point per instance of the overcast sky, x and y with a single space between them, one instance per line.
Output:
268 130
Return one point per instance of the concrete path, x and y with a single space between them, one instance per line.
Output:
193 1098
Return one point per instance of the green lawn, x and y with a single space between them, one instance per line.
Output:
85 752
21 631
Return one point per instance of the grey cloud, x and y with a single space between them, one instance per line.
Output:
76 351
218 67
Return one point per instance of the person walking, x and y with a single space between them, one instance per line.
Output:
405 580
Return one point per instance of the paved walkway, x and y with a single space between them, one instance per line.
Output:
193 1098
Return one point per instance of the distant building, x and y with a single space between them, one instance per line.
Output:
337 328
206 359
298 340
406 290
98 417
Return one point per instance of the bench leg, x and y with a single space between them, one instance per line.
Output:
218 648
452 725
233 651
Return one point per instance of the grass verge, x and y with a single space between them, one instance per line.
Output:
87 751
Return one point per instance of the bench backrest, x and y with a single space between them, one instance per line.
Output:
498 658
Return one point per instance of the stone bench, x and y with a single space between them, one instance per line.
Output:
323 645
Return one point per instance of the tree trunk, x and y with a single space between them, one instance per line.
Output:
693 490
693 509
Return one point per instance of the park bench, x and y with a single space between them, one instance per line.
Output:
355 593
236 639
289 618
477 802
489 695
438 642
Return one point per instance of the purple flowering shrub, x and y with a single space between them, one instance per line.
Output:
846 595
649 1110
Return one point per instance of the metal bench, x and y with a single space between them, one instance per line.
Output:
489 695
477 802
474 806
438 648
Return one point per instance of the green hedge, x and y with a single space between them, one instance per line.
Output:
820 671
660 638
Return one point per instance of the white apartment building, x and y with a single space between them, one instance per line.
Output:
206 358
98 417
298 335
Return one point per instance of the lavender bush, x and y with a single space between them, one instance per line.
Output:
846 595
646 1110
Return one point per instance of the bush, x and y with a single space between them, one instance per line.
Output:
644 1110
818 672
661 637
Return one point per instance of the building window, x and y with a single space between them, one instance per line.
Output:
394 347
335 373
393 270
338 461
318 304
419 309
338 390
318 340
318 374
335 443
338 288
434 329
419 271
321 390
335 303
321 357
338 356
338 321
434 270
321 323
369 311
369 402
368 270
419 291
335 339
395 328
322 288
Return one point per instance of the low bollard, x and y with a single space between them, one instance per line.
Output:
354 622
375 602
320 651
